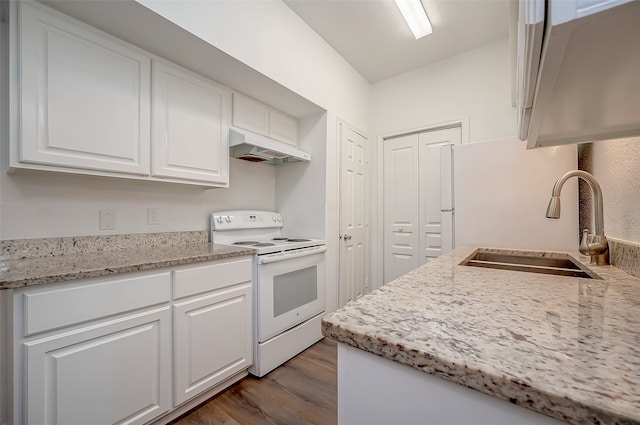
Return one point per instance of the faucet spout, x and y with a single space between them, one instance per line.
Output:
594 245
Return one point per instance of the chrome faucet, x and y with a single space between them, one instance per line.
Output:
594 245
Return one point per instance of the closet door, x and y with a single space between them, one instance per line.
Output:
400 206
413 226
432 232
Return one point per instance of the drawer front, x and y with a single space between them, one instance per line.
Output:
64 306
196 280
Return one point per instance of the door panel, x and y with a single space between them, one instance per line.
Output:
431 189
400 206
354 217
413 194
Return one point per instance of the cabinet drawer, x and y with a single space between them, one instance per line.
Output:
68 305
196 280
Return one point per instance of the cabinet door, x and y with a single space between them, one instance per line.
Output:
283 127
190 137
116 372
250 115
213 340
84 96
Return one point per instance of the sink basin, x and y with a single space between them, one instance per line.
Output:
558 265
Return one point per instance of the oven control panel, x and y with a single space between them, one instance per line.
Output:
244 219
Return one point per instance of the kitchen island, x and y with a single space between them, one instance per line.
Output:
564 347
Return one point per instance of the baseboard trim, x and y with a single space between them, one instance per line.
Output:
198 400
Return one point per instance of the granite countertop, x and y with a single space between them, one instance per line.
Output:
16 273
565 347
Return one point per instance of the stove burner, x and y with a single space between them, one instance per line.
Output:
264 244
290 240
246 243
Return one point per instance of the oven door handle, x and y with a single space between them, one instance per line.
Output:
272 258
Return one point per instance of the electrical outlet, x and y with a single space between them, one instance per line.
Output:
153 216
107 219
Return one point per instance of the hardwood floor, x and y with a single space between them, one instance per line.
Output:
302 391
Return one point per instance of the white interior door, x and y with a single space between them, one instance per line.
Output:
413 226
431 191
354 215
400 206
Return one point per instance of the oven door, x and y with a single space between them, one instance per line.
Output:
290 291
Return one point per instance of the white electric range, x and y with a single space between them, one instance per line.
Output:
289 283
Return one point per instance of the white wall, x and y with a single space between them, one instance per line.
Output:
502 191
40 205
299 197
476 84
270 38
616 165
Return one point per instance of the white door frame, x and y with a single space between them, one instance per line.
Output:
377 219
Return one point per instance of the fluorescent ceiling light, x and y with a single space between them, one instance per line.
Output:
416 17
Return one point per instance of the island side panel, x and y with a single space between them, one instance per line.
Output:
376 391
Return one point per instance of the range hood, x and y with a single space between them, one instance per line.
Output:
253 147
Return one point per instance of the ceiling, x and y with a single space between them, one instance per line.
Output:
373 37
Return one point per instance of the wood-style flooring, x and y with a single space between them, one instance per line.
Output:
302 391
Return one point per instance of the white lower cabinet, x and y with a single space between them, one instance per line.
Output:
212 340
129 349
213 325
118 372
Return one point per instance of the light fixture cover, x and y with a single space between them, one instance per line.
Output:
416 17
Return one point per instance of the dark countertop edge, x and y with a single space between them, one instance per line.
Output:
179 260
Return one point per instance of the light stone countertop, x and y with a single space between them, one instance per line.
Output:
16 273
565 347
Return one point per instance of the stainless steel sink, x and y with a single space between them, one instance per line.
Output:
557 265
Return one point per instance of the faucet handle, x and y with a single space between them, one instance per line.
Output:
596 246
584 243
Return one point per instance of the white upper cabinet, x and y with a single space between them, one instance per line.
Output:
250 114
254 116
89 103
190 134
84 97
586 87
283 127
